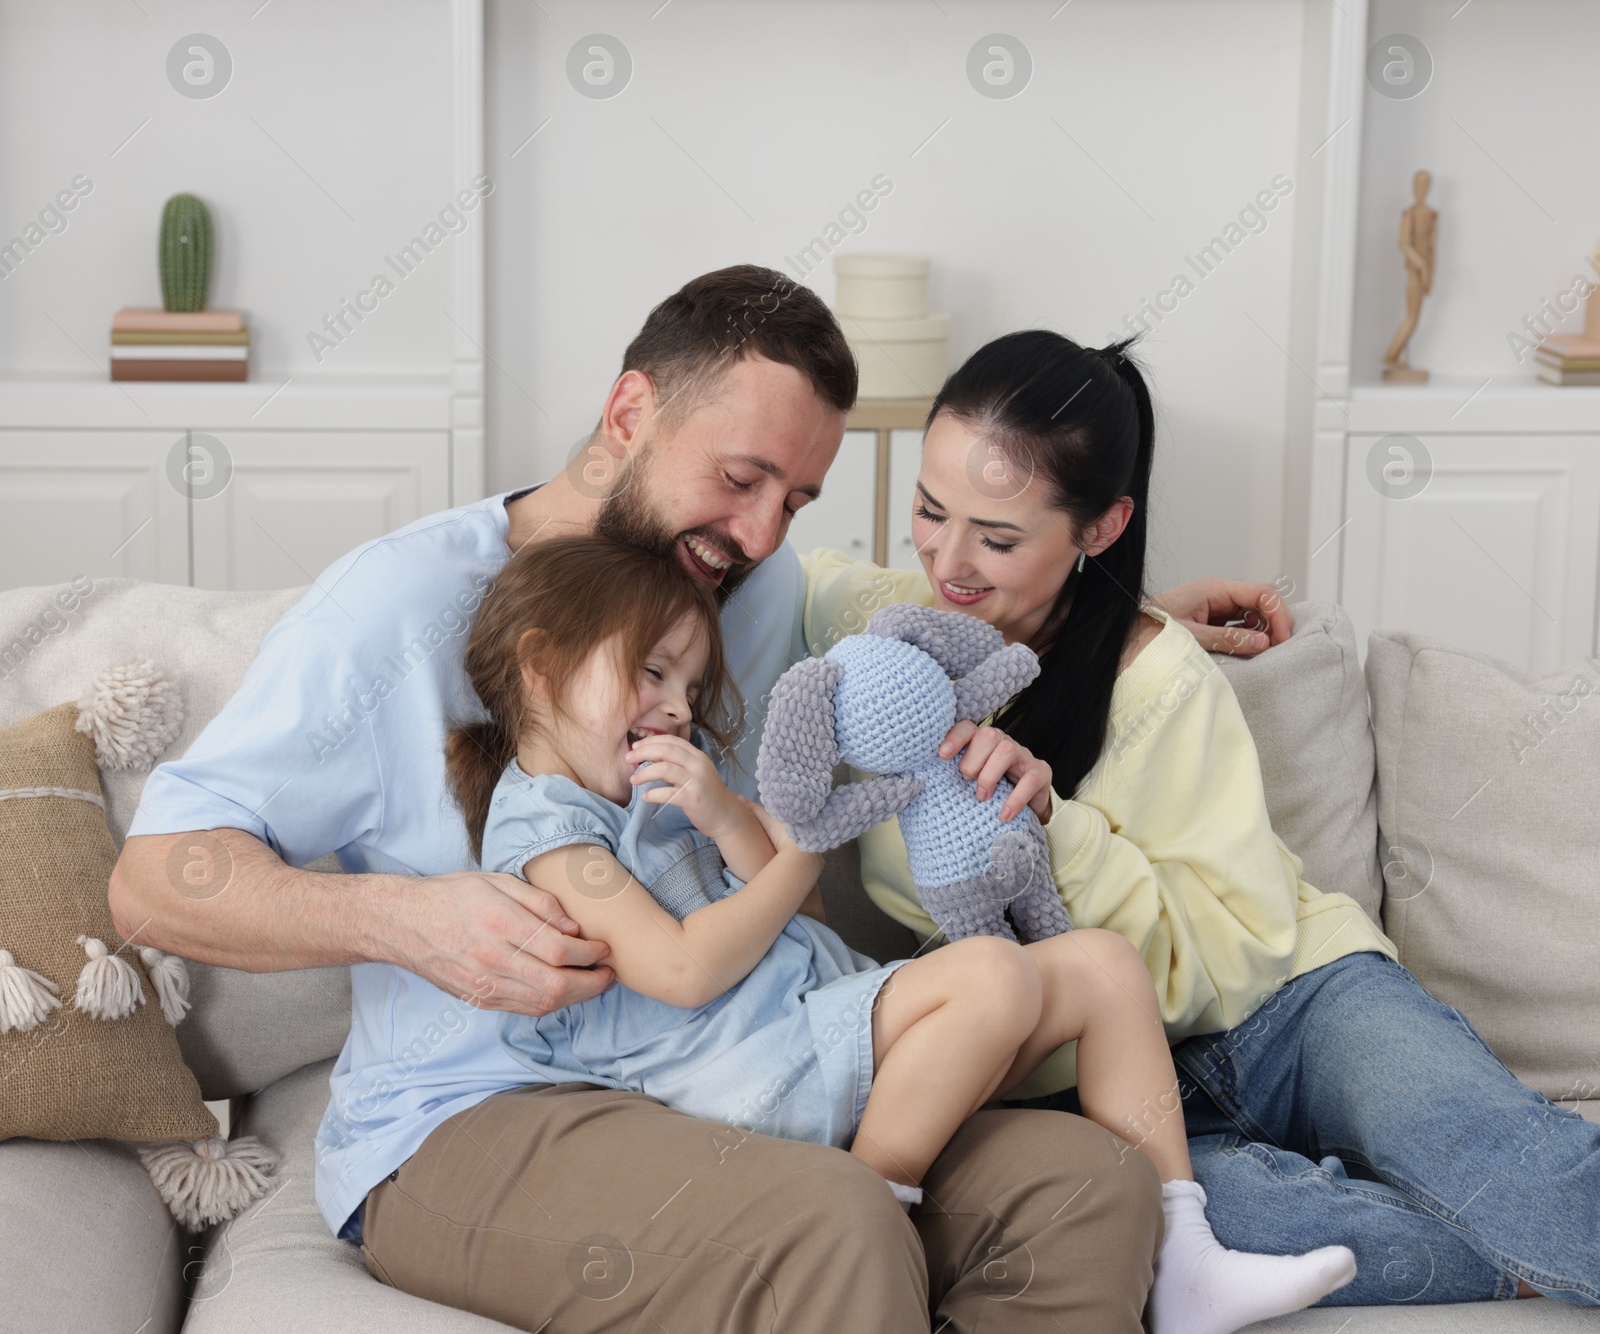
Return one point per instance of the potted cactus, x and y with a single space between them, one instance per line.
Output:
185 253
185 340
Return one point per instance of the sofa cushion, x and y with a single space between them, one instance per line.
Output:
1306 706
87 1243
1487 783
861 924
276 1266
246 1029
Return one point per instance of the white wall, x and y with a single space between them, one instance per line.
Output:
1146 127
328 149
746 126
1507 128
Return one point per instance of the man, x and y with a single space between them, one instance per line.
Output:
584 1206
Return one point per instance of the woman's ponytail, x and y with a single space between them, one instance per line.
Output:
1026 394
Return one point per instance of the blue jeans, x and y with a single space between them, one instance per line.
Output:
1354 1108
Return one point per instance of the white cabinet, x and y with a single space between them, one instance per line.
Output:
1496 550
95 503
270 509
905 461
846 514
1469 513
223 509
841 517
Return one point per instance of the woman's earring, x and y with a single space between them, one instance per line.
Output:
1082 556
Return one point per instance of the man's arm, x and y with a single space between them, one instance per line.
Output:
1206 606
210 866
221 896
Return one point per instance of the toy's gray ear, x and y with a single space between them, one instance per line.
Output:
954 640
794 766
995 680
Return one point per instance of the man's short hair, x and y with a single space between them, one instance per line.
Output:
698 332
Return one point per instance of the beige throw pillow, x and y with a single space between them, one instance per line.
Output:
1306 707
1489 808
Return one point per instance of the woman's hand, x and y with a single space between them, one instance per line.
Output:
992 755
693 784
1205 606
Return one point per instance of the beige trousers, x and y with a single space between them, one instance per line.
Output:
574 1208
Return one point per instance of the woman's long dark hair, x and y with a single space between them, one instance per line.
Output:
1079 420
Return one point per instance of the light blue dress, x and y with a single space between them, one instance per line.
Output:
785 1052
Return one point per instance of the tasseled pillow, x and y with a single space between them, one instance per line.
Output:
82 1053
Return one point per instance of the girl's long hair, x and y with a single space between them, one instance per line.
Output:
1080 420
578 593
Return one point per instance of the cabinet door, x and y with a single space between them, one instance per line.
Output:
841 517
277 507
100 503
1496 552
905 461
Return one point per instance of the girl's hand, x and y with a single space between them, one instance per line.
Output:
694 785
992 755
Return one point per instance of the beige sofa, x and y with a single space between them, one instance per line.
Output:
1493 908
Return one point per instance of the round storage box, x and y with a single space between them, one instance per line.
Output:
900 358
881 287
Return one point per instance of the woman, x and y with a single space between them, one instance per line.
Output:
1335 1102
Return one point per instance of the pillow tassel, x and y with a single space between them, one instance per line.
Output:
209 1181
26 997
170 977
108 986
132 712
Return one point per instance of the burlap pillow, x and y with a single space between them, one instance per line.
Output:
87 1049
73 1076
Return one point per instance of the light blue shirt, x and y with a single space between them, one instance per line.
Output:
334 742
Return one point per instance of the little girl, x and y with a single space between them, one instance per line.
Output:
595 662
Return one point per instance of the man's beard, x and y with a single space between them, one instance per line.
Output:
626 516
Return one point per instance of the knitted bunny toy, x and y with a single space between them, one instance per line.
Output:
882 701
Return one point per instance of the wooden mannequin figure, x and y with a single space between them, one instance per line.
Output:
1419 233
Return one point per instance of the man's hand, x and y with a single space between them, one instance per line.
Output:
496 942
992 755
1206 606
492 940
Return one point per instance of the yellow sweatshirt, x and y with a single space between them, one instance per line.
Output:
1166 841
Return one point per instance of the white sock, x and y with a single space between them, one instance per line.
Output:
1203 1288
907 1195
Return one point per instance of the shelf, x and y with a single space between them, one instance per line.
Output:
410 403
889 414
1465 405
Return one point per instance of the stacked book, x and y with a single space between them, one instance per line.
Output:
179 345
1569 359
